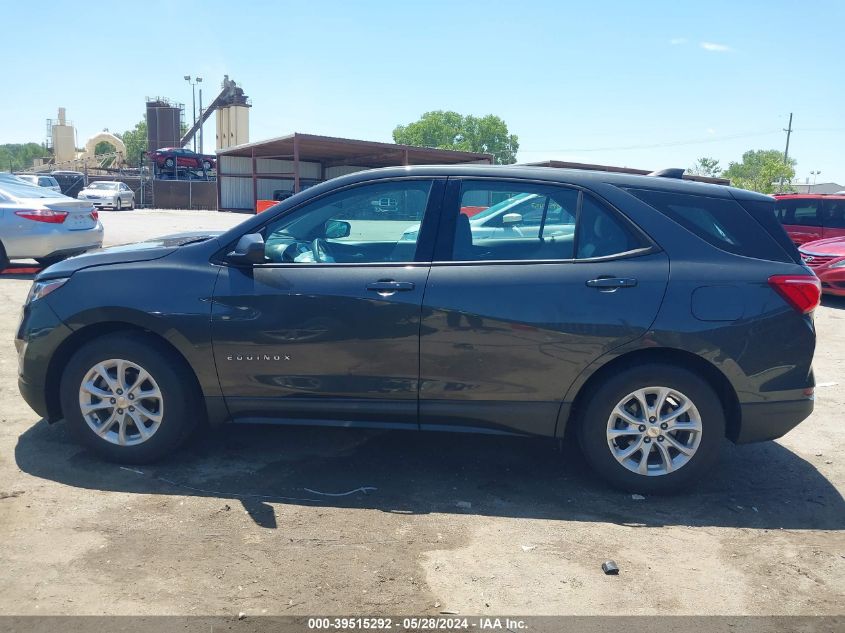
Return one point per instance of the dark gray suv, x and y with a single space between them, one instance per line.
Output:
648 317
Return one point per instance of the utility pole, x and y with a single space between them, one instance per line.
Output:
200 120
788 131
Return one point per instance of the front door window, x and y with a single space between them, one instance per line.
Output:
369 224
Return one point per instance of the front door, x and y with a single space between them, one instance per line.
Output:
327 331
510 318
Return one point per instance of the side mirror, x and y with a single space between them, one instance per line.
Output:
509 219
249 250
336 229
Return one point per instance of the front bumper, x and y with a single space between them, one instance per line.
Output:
39 336
99 203
833 281
763 421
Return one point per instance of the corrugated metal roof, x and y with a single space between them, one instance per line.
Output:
344 151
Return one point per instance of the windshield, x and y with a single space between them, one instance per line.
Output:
103 185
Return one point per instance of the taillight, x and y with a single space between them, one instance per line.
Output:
95 215
802 292
43 215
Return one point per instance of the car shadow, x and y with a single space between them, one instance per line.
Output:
762 486
832 301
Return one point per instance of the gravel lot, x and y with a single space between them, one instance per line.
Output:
472 524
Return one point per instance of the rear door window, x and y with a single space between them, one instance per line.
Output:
834 214
533 222
799 212
718 221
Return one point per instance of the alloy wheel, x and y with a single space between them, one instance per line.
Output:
121 402
654 431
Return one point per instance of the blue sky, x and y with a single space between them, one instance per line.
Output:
642 84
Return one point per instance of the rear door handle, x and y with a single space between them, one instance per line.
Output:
389 287
611 283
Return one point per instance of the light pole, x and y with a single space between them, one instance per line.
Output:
814 174
194 102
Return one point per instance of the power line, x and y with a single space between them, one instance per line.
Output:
657 145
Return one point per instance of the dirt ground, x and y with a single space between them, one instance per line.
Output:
243 520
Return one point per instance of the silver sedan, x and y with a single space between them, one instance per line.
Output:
101 193
37 223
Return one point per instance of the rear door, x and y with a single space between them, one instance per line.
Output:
802 218
834 217
509 321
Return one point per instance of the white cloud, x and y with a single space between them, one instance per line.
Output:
715 48
711 131
678 40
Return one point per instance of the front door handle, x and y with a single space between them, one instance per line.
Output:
609 284
388 287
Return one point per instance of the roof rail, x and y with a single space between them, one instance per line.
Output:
672 172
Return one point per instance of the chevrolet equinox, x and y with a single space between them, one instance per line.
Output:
649 317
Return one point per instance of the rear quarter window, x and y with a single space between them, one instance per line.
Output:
719 221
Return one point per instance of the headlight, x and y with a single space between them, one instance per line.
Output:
839 264
43 288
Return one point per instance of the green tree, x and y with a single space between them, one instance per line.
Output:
136 142
19 156
761 170
705 166
450 130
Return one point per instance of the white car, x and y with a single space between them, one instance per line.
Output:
37 223
36 180
519 216
116 195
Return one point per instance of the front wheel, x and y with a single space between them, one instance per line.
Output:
206 165
129 398
169 163
654 428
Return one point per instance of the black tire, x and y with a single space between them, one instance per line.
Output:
183 406
206 165
593 425
4 261
169 163
48 261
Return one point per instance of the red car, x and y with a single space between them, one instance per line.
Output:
827 259
170 157
809 217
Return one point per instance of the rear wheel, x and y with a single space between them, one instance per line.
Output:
169 163
129 398
206 165
655 428
4 261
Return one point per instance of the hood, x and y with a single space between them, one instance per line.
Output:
126 253
829 246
